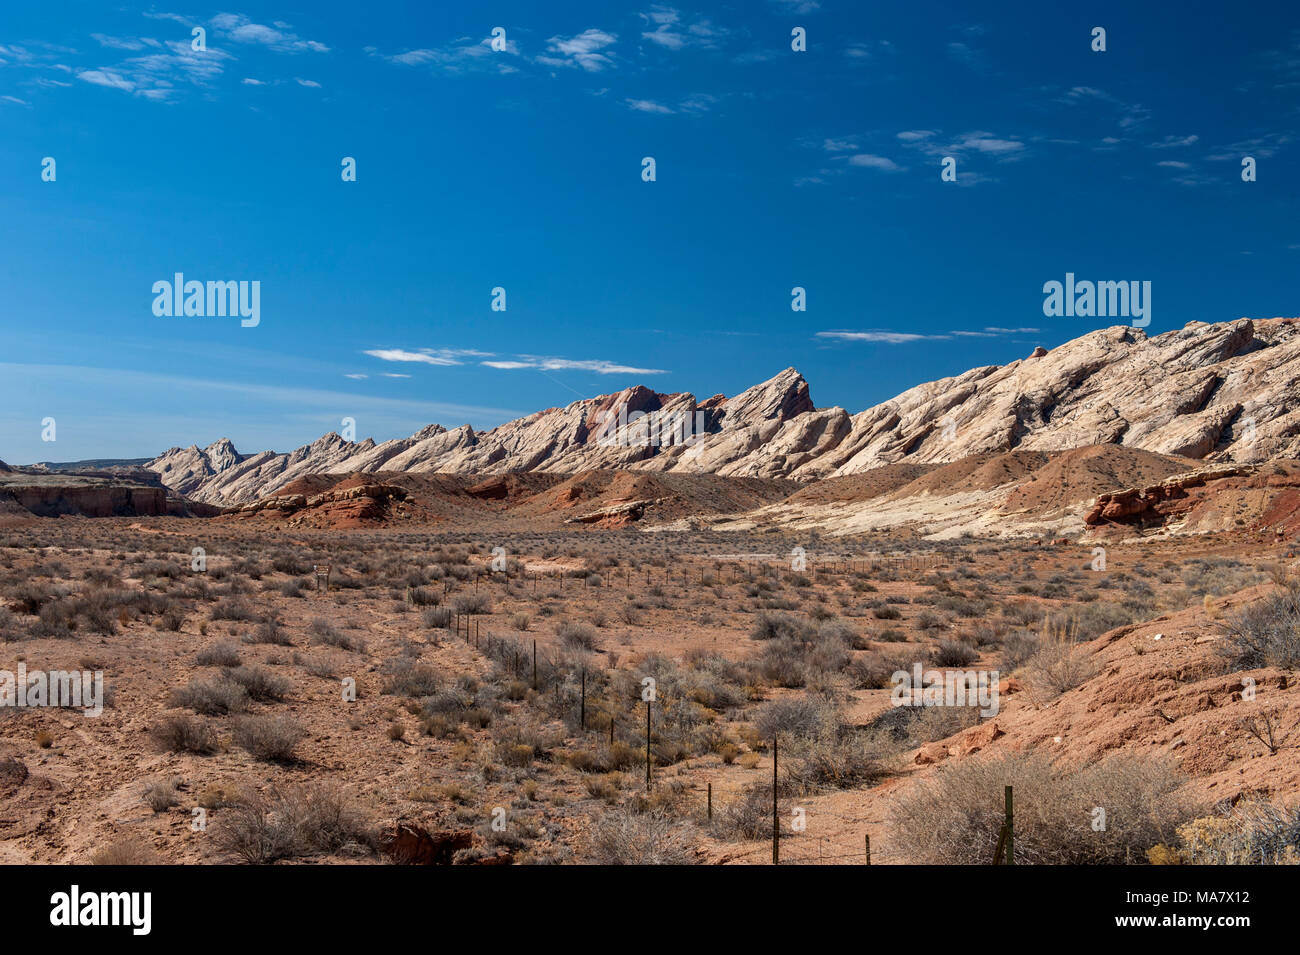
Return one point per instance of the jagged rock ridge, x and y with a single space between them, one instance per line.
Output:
1205 391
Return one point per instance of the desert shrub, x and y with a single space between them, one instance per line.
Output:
405 677
269 737
223 654
886 613
1018 648
776 626
290 588
127 850
520 621
232 608
270 631
749 815
437 618
647 838
182 733
1265 632
323 632
259 682
1059 665
472 604
802 715
210 697
423 596
293 823
953 653
161 796
875 670
9 630
839 757
1254 832
954 816
577 636
782 663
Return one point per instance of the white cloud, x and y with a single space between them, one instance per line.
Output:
241 29
885 337
599 366
106 78
464 53
427 356
671 33
873 162
312 84
123 43
582 50
648 106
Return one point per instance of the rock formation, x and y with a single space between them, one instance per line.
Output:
1214 392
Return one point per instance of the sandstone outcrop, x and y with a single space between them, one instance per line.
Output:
1210 392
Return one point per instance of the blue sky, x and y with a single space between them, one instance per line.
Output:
521 169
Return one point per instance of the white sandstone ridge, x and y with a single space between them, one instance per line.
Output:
1210 391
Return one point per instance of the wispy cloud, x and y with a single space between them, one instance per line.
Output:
672 32
462 55
649 106
427 356
156 76
583 50
871 161
278 36
599 366
1175 142
884 337
887 337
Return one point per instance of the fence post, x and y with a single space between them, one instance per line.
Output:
867 838
583 710
710 802
534 664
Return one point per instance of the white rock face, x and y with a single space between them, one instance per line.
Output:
1222 391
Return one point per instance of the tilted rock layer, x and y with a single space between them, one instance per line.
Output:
1214 392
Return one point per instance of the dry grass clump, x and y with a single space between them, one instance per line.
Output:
1265 632
953 818
323 632
271 737
292 823
577 636
1059 663
647 838
1255 832
258 682
223 654
210 697
182 733
127 850
404 676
